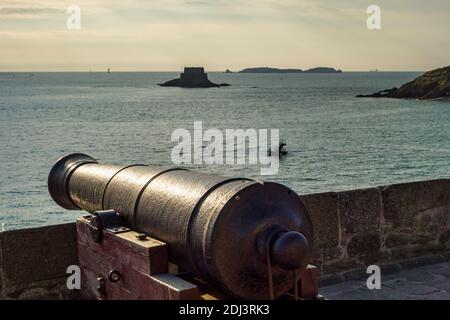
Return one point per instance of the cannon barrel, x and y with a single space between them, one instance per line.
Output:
228 231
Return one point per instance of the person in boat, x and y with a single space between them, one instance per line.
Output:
281 150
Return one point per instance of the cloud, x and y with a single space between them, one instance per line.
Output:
28 10
160 34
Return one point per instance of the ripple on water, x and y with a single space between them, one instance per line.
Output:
335 141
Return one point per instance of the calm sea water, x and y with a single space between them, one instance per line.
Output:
335 141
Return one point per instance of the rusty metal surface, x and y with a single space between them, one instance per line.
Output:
218 228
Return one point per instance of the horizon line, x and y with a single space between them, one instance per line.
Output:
165 71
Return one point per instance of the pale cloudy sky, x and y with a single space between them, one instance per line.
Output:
161 35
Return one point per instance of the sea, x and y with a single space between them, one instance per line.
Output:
335 141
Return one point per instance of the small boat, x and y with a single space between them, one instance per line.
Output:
281 150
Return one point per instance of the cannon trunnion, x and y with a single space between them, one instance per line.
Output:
249 239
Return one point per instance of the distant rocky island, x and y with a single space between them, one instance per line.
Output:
432 85
192 77
277 70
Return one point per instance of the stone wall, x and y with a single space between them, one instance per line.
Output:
352 230
356 228
33 262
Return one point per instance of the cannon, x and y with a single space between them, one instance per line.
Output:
246 237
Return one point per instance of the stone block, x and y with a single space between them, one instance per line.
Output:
403 202
322 208
333 253
340 265
422 239
355 274
400 253
360 210
54 289
397 240
431 248
444 238
442 216
434 220
37 254
326 256
1 269
365 247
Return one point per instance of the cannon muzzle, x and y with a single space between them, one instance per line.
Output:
228 231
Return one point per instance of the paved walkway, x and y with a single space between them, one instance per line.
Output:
430 282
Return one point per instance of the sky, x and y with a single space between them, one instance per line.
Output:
166 35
